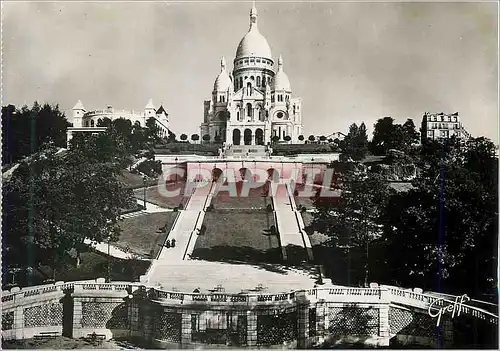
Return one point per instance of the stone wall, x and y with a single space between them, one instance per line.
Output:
300 319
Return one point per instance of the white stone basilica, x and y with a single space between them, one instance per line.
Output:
254 103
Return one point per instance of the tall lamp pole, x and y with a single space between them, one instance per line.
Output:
144 183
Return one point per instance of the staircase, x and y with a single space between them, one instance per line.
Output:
245 151
294 241
185 231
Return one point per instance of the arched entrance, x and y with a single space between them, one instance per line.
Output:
245 174
236 137
273 175
259 136
216 174
247 137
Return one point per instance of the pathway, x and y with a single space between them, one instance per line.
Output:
185 231
289 221
113 251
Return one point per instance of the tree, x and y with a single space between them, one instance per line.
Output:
26 130
47 222
195 137
218 139
152 130
311 138
387 135
355 143
288 138
439 220
171 138
206 138
353 221
322 138
411 136
301 137
275 139
184 137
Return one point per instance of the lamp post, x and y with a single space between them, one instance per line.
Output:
144 184
109 264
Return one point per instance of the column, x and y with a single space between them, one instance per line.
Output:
251 328
77 312
384 328
302 320
321 319
186 329
19 322
147 326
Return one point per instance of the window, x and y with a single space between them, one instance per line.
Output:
258 81
249 110
264 81
279 115
258 60
91 122
249 88
252 78
241 82
238 115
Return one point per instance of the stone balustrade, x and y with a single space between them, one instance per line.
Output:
161 318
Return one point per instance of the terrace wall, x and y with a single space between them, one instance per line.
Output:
299 319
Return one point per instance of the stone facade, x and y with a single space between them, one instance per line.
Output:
255 102
441 126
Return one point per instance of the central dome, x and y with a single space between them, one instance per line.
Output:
254 44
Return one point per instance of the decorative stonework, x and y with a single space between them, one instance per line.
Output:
168 326
7 320
275 329
111 315
353 320
43 315
399 319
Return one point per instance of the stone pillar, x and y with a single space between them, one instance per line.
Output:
384 328
133 315
321 319
19 322
186 329
77 312
302 320
251 328
147 327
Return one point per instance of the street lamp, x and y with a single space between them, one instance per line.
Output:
144 184
108 280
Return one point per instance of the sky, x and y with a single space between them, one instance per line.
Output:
350 62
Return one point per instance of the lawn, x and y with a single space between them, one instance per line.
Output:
254 200
141 235
93 264
239 235
133 181
155 196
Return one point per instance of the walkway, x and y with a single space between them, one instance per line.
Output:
185 231
289 222
114 251
191 274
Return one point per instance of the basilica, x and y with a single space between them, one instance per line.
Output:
254 103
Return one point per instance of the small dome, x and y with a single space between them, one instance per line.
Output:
280 80
222 82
